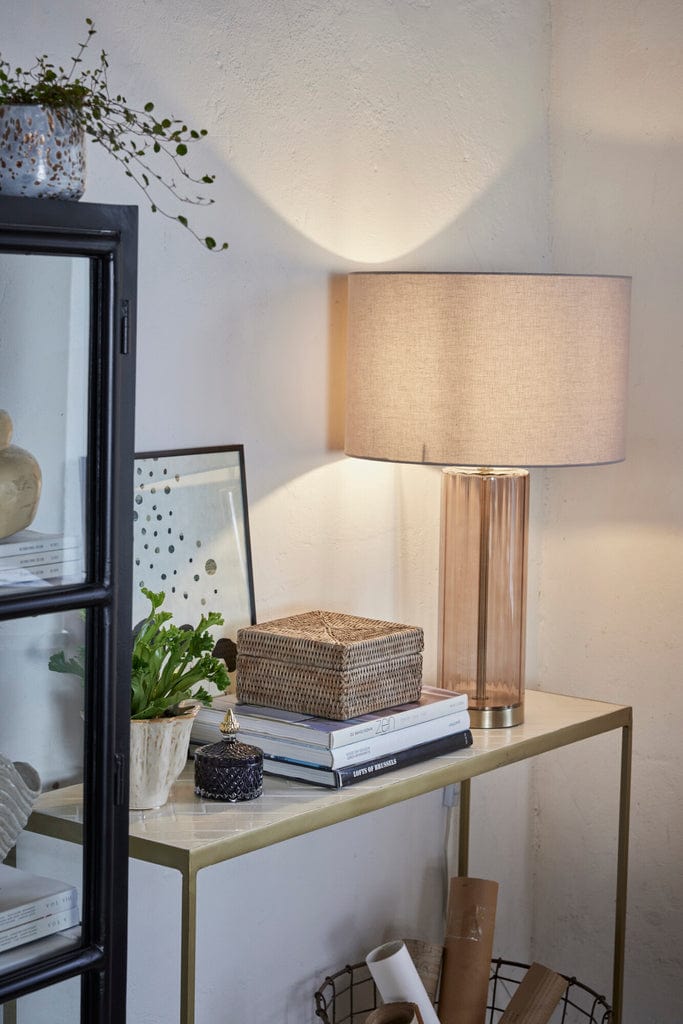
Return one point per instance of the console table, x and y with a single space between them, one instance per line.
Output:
190 834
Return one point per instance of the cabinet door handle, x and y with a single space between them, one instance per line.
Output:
120 794
125 327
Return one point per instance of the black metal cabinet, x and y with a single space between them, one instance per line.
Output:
67 350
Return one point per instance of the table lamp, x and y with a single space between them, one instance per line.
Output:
486 373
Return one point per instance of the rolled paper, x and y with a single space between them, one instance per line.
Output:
468 948
395 1013
427 957
397 980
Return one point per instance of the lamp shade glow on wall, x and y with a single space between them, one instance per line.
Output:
493 372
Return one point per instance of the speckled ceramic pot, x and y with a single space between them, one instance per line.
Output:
158 752
42 153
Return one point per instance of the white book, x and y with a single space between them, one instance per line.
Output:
25 897
31 559
339 777
364 750
38 929
20 575
433 702
39 949
33 541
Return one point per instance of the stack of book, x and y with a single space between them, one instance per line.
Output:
336 754
31 908
30 556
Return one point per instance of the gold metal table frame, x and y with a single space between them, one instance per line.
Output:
190 834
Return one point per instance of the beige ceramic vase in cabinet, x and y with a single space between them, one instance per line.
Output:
20 482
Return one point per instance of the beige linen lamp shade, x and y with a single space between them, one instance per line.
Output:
486 370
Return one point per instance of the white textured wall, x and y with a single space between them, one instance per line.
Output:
611 577
418 135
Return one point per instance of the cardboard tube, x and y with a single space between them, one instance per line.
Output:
397 980
468 948
395 1013
539 992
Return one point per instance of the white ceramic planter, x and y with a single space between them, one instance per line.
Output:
158 752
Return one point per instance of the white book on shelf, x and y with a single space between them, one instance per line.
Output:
364 750
34 542
21 934
25 897
337 778
433 702
39 949
20 575
33 559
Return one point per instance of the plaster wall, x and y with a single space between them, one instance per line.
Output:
345 134
611 562
418 135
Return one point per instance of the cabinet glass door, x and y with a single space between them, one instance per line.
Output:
66 471
41 749
44 349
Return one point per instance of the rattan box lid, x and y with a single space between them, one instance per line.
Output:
333 640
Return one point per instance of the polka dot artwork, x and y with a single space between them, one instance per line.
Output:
191 537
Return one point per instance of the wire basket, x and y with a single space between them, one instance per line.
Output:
348 996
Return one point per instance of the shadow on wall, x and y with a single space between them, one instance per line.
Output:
278 277
464 243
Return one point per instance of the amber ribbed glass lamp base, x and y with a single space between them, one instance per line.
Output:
482 602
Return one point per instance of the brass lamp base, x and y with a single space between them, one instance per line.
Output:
496 718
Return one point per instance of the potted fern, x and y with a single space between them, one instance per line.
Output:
46 113
170 666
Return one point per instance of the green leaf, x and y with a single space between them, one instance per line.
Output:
73 666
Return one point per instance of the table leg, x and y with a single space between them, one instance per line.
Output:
464 828
622 872
188 941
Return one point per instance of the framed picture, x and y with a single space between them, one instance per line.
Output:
191 538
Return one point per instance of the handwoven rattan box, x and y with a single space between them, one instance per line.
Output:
329 664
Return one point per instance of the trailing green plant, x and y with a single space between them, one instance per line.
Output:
169 663
134 137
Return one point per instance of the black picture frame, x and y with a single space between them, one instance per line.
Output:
191 538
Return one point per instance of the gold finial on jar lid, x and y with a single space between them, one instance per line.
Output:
229 725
